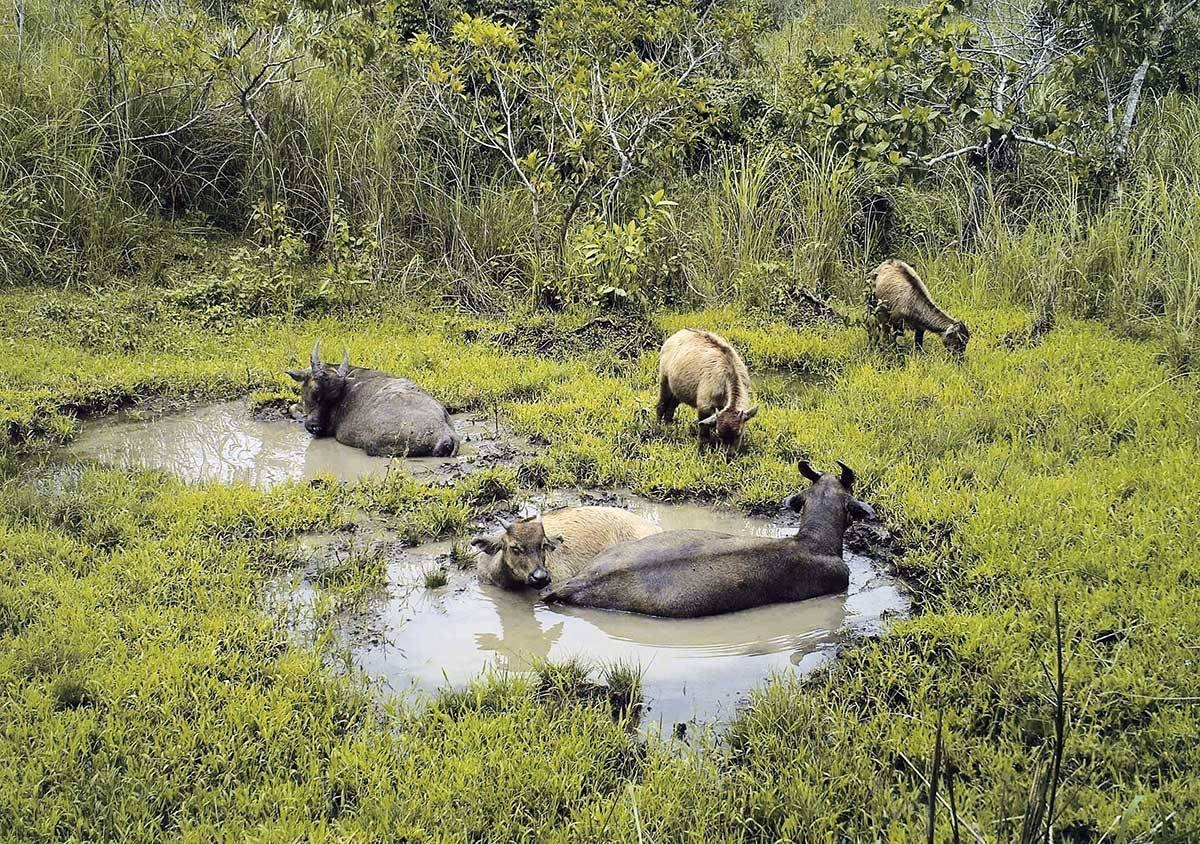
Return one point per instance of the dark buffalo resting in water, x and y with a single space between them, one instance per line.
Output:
364 408
693 573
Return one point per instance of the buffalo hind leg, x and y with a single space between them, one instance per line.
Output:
666 402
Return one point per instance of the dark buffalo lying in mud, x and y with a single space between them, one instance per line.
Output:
368 409
692 573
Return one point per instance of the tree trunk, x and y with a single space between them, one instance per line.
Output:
973 221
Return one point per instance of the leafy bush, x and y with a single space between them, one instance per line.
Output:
634 261
276 276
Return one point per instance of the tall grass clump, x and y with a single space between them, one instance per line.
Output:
66 206
775 219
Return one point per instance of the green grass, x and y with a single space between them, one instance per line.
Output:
151 689
435 577
461 556
351 577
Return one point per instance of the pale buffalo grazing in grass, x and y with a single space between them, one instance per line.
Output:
897 299
704 371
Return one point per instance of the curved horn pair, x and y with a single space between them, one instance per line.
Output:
847 477
315 360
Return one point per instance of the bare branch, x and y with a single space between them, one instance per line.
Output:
946 156
1139 77
170 133
1038 142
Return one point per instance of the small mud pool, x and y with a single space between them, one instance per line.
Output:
695 671
225 443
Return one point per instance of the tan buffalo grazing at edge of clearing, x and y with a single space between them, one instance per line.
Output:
701 369
554 546
901 300
693 573
368 409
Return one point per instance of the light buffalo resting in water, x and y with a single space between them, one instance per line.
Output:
692 573
554 546
368 409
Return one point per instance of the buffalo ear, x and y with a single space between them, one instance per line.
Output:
848 476
749 414
860 509
553 542
807 470
709 422
300 375
487 543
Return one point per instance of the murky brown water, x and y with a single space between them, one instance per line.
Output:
419 640
223 442
695 670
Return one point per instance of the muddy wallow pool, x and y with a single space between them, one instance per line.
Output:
414 640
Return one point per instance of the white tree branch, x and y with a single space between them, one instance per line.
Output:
946 156
1139 76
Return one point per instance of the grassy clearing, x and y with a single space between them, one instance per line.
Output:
154 692
150 689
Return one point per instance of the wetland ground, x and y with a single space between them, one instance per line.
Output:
416 640
152 687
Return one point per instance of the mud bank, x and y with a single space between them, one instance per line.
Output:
225 443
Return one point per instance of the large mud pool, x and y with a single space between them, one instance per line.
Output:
415 640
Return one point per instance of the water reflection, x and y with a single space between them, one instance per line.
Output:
695 669
223 443
522 641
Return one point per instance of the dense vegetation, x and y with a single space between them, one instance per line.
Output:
190 194
575 152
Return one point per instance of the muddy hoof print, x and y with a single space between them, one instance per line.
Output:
870 540
273 410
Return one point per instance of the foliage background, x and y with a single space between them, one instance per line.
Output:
190 193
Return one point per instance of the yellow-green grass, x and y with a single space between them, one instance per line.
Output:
150 688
